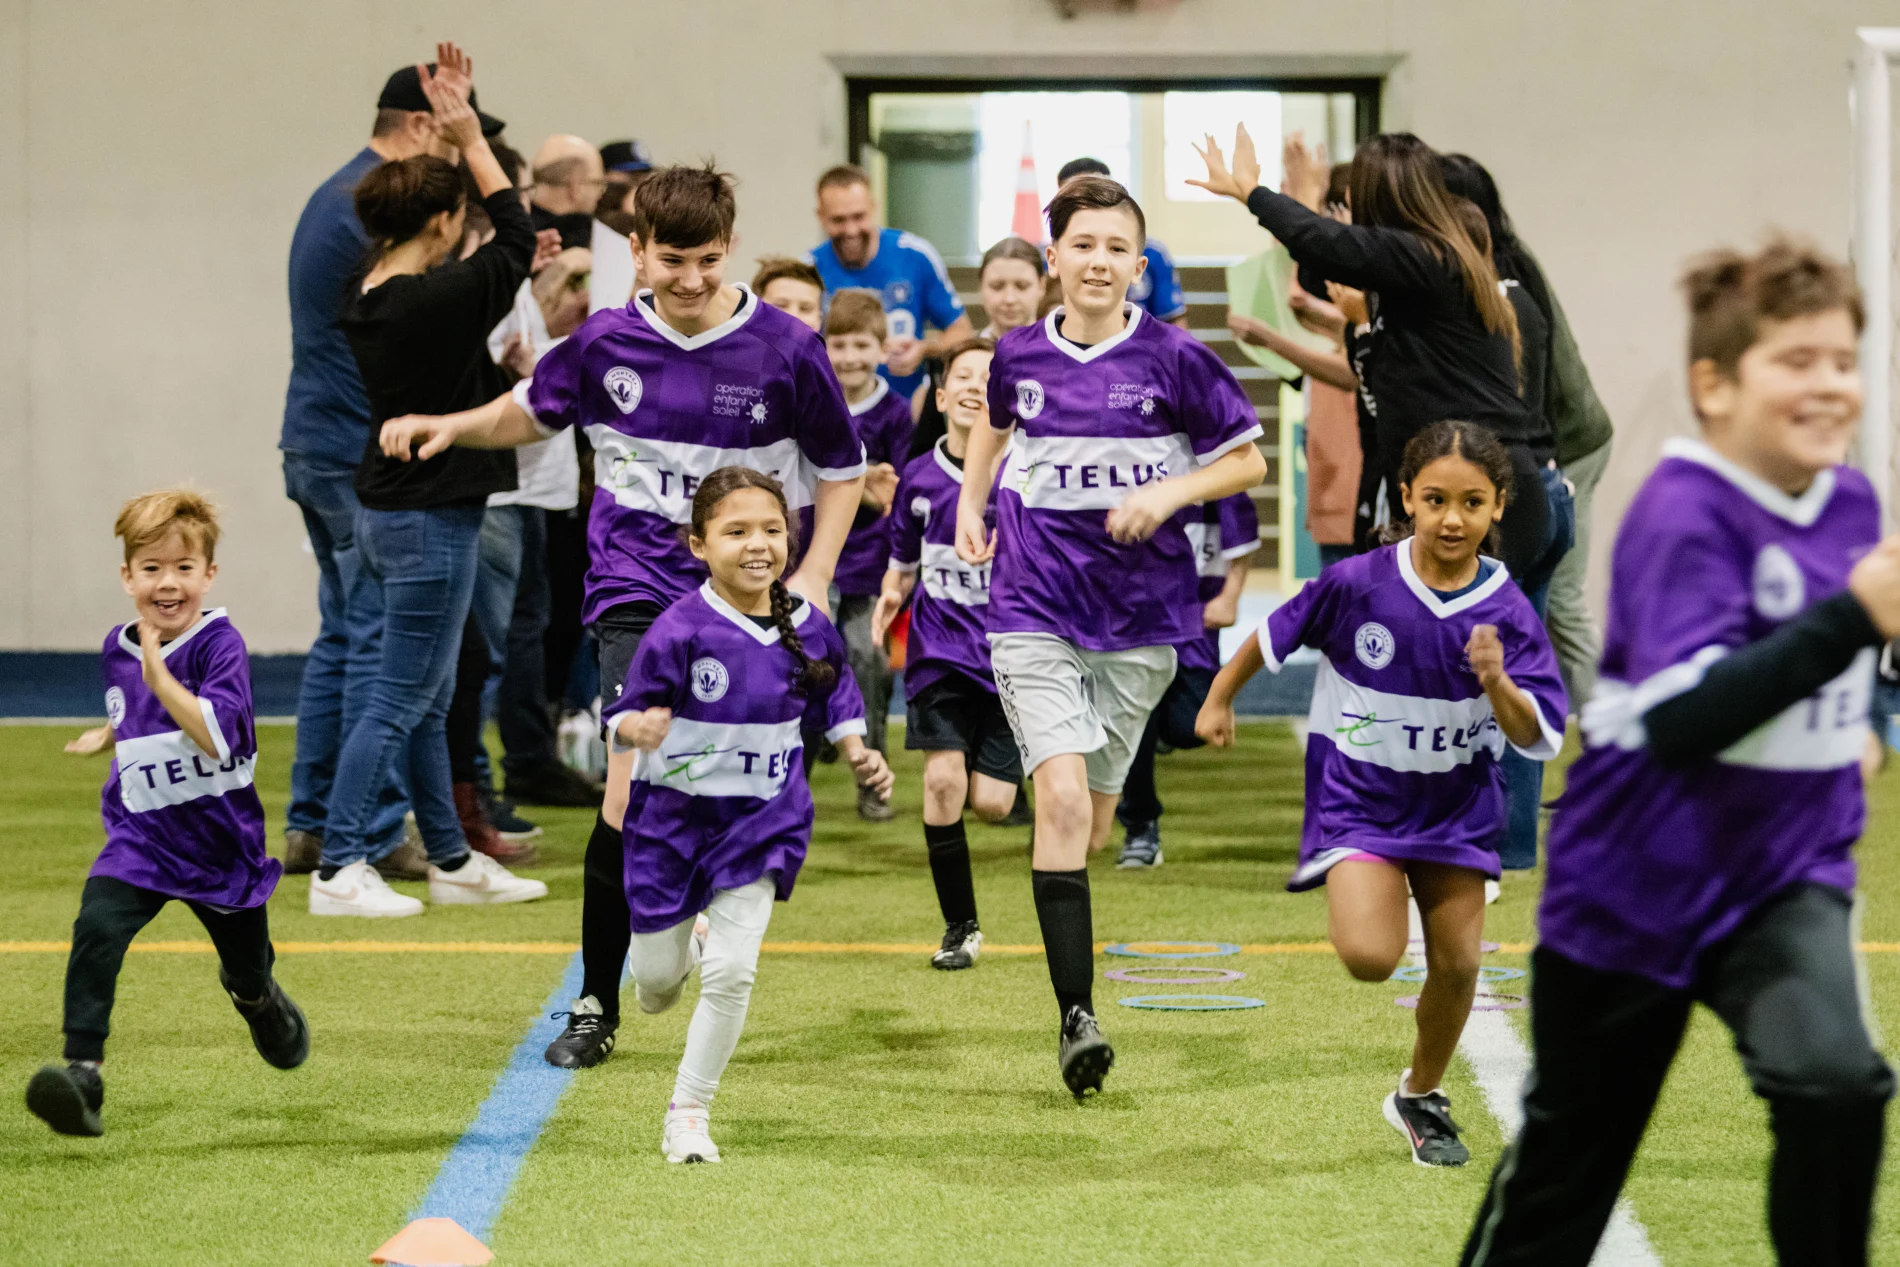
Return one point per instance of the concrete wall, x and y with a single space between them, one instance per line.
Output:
160 151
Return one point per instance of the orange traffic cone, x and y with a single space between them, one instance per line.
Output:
1026 220
433 1243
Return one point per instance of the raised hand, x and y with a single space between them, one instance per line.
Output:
547 249
447 90
1235 182
1303 172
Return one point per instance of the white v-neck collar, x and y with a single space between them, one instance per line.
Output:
764 637
1801 511
1052 327
130 644
748 304
941 451
869 403
1427 595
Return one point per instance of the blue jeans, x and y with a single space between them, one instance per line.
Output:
342 661
511 606
424 562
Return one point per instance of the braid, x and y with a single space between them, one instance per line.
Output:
810 672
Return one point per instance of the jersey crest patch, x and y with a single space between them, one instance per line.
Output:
1779 589
623 388
709 680
115 707
1029 399
1373 644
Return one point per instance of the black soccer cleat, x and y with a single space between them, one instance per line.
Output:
278 1028
68 1098
962 942
1425 1121
1084 1055
587 1040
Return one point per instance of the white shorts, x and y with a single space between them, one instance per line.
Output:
1060 698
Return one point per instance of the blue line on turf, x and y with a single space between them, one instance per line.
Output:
475 1177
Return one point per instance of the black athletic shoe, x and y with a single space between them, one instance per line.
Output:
962 942
1083 1053
278 1029
68 1098
552 783
1141 850
502 816
1425 1121
587 1040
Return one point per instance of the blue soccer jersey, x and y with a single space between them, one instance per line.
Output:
909 275
1158 289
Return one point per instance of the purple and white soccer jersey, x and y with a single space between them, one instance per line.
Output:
723 801
1649 866
948 609
664 410
1218 532
884 426
1092 425
181 821
1402 748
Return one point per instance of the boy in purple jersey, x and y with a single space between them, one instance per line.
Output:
692 375
1222 535
182 819
722 688
854 342
1702 849
1431 660
953 715
1120 423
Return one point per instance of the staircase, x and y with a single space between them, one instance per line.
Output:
1206 287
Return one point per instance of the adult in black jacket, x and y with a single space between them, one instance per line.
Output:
418 327
1443 335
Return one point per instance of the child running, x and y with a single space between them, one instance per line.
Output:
1120 423
181 817
1703 848
1431 660
719 816
854 343
693 375
953 716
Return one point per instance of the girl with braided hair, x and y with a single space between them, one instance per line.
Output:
719 814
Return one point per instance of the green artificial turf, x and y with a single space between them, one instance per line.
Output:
876 1111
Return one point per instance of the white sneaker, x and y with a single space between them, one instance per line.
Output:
481 881
1492 891
653 1001
688 1134
358 890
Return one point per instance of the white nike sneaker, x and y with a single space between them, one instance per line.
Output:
688 1134
481 881
651 1000
358 890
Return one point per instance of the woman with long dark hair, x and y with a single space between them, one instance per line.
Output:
1445 342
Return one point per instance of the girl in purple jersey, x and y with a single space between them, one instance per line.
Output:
1702 850
1431 661
719 816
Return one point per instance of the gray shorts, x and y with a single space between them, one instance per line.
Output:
1061 698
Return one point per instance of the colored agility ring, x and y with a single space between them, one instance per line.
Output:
1191 1002
1214 976
1173 949
1483 1003
1487 974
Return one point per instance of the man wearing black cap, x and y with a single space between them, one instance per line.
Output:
625 161
326 428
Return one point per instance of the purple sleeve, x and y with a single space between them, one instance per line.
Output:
907 526
552 395
657 676
898 428
1300 621
1239 526
839 711
224 695
1210 407
1532 665
1676 586
1002 393
823 427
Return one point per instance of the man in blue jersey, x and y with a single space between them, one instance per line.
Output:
1158 288
901 267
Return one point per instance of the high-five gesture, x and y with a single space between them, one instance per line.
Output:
1240 180
1303 172
448 90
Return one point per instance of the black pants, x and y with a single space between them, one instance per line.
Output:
1171 723
111 913
1785 985
464 722
521 699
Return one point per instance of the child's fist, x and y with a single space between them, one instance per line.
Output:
1485 654
646 730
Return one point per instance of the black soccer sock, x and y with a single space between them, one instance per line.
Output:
606 927
950 872
1068 936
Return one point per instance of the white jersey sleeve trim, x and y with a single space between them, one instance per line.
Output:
218 741
855 726
1240 551
896 565
1228 446
1614 715
1265 639
840 474
520 394
1547 748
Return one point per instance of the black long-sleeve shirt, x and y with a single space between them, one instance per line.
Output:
1432 358
421 343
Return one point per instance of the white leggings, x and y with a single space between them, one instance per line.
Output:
661 961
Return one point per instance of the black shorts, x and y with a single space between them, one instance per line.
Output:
956 714
617 636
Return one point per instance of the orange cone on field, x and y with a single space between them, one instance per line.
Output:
1026 221
433 1243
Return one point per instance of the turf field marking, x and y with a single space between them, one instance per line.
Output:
770 948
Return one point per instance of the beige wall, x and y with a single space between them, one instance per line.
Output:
159 154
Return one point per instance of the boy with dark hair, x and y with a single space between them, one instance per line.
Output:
1703 850
792 286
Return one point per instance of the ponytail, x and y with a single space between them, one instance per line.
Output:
811 673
